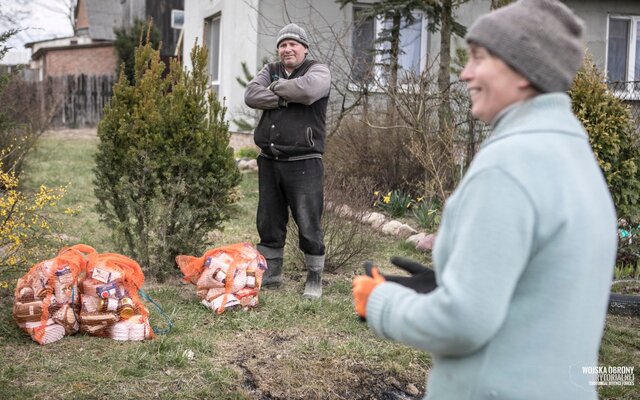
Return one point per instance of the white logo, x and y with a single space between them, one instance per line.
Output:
609 375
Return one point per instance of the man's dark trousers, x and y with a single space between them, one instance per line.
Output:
297 185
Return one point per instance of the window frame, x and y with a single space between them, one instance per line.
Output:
354 55
378 61
208 25
379 73
633 42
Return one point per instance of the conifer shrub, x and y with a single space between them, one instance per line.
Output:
616 144
165 174
612 136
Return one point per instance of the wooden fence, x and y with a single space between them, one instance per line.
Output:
81 99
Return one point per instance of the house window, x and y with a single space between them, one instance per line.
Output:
369 58
363 45
212 41
623 51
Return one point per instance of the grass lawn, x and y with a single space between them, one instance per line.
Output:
287 348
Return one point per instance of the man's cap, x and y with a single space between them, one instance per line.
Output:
294 32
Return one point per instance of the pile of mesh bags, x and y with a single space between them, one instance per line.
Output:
227 277
82 290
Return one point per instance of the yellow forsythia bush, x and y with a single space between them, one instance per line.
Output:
23 220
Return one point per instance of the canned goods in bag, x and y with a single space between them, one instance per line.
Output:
219 275
108 304
251 279
126 309
105 291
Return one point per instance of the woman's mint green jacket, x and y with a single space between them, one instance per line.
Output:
524 260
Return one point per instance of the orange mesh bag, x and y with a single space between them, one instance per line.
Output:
47 300
111 306
226 277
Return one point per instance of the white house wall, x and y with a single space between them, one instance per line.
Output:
324 22
241 22
254 26
595 15
238 43
465 15
249 29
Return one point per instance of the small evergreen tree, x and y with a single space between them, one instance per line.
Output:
250 123
242 123
612 136
165 174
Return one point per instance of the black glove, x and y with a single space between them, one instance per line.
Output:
422 279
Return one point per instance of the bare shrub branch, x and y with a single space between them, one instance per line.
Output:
346 239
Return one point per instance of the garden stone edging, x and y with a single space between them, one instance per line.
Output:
426 243
415 239
422 241
247 164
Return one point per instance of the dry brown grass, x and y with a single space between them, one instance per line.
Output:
287 348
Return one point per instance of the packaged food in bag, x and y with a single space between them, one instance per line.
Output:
226 277
111 306
47 300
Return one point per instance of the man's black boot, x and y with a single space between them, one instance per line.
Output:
313 285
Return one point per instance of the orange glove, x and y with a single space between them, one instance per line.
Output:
362 286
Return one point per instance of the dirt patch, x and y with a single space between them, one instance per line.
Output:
277 366
82 133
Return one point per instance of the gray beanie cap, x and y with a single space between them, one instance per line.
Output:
541 39
293 31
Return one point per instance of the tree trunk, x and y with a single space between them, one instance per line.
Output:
444 83
393 90
444 74
393 67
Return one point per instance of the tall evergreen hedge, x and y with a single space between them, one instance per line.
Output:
613 137
164 175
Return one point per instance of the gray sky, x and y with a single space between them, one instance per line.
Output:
39 19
